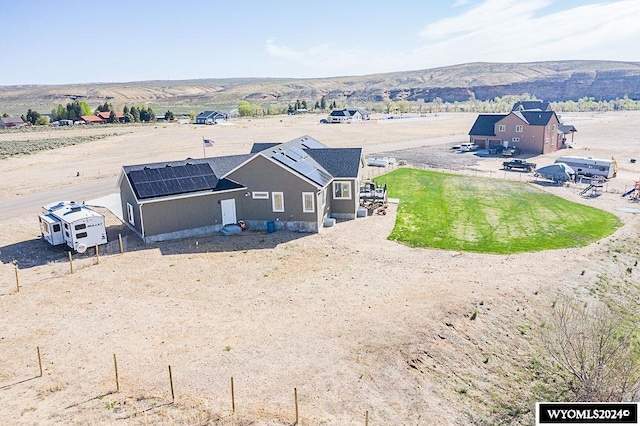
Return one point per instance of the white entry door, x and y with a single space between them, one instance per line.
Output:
228 211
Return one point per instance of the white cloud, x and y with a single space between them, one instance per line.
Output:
494 31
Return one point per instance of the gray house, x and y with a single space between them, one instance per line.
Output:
296 185
210 117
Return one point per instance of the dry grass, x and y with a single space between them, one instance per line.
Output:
353 321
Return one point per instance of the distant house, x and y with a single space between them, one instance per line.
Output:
346 115
211 117
105 115
534 131
7 122
298 185
91 119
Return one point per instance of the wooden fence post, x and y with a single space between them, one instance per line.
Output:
115 364
295 396
366 418
71 262
39 359
173 397
120 241
17 280
97 255
233 397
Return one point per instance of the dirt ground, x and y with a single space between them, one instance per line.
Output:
357 326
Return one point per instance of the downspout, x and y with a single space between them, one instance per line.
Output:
141 222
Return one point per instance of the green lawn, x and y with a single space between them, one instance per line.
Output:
452 212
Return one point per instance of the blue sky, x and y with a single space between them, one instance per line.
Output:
68 42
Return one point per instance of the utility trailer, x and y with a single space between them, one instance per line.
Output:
73 224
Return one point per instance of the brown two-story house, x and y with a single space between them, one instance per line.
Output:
533 131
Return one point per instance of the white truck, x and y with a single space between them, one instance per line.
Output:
73 224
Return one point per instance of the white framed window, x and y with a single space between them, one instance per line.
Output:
515 139
308 203
342 190
519 128
502 127
260 195
277 201
130 215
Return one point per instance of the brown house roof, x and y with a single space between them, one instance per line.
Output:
92 119
106 114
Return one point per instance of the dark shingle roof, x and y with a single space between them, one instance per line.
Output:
341 113
485 124
567 128
537 118
339 162
208 114
531 105
261 146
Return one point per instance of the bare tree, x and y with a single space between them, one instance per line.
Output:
594 350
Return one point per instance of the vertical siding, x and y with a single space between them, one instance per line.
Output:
262 175
181 214
127 196
345 207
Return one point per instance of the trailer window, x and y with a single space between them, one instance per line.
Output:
56 227
81 226
81 235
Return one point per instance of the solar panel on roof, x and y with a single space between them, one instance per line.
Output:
165 173
302 167
152 174
199 183
312 143
296 153
170 180
284 159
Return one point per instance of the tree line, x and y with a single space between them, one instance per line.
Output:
140 114
73 111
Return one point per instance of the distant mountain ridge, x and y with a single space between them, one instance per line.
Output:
551 81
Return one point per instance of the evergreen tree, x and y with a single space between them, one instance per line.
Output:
323 103
113 118
135 113
32 116
168 116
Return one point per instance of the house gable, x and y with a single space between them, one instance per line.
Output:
531 106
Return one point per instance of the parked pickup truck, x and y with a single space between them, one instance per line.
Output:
518 164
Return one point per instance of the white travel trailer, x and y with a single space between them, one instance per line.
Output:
73 224
589 166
